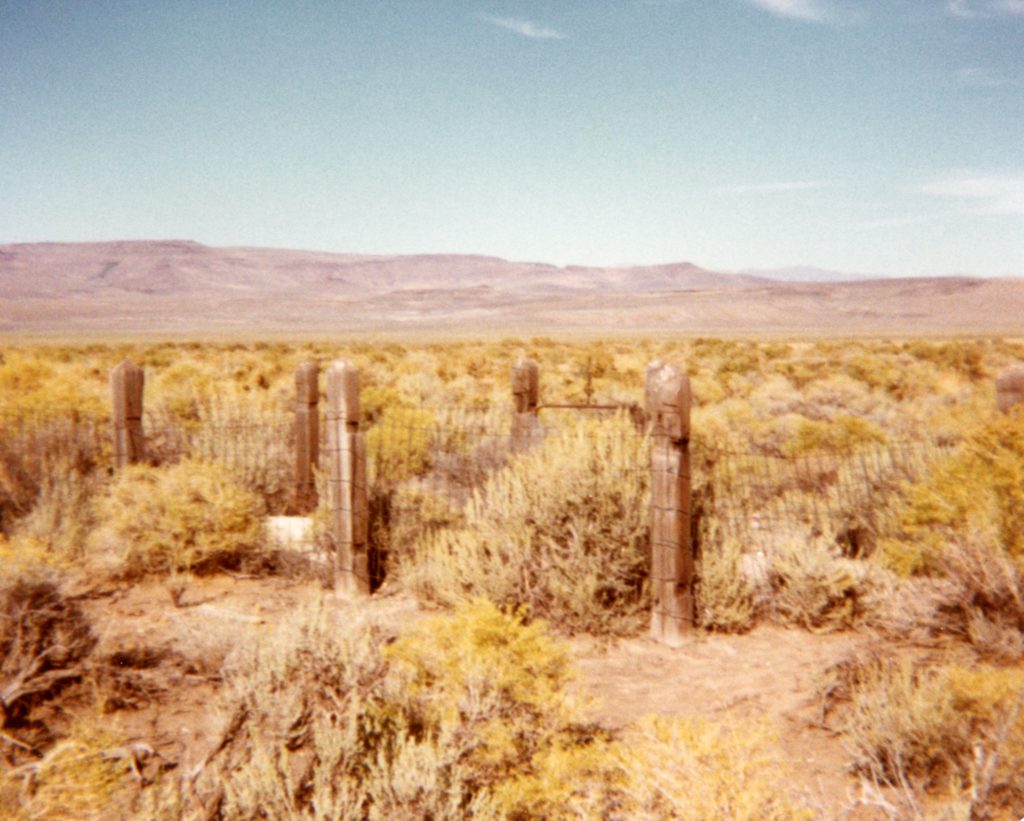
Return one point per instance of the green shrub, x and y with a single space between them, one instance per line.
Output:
185 517
490 682
814 586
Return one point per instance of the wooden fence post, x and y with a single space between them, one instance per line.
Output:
347 479
307 433
525 399
673 607
1010 388
126 383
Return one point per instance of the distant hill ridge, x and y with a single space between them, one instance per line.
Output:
184 287
186 267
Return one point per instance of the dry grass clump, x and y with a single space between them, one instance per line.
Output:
251 435
190 516
658 768
57 761
842 435
45 646
561 529
53 416
976 597
985 599
36 453
58 525
44 639
730 587
399 443
253 440
794 578
815 586
944 727
678 768
87 774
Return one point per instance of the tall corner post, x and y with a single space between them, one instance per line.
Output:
347 480
673 604
307 434
1010 388
525 402
126 383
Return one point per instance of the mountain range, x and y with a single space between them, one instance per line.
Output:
183 287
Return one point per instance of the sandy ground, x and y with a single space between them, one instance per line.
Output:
771 675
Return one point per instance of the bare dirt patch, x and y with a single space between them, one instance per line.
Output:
165 645
772 675
170 643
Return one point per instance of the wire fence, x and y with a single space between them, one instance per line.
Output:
256 444
423 464
851 495
33 447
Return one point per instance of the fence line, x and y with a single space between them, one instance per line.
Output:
450 451
421 465
456 450
756 496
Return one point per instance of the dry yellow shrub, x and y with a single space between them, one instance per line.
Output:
950 728
179 518
562 529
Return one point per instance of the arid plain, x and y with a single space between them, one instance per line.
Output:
856 503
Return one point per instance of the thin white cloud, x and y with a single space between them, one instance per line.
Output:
523 28
993 195
772 187
961 8
970 9
891 222
981 77
810 10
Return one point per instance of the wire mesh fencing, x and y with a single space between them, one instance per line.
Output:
35 447
255 443
424 464
852 495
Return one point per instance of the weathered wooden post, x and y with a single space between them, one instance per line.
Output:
126 383
1010 388
525 399
673 608
347 479
307 433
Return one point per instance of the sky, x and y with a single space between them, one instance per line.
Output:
869 136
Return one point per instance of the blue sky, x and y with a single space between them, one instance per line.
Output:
880 136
